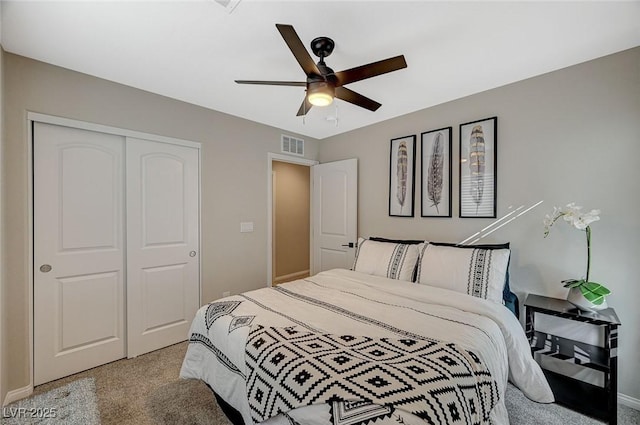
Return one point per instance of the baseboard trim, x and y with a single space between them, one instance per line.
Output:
17 394
291 276
624 399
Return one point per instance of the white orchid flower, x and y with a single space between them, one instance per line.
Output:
572 207
593 214
586 219
571 213
579 223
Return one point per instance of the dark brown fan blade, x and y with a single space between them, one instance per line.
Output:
370 70
297 48
304 108
356 98
274 83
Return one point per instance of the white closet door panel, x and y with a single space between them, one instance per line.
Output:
80 329
163 241
96 224
78 250
163 184
163 300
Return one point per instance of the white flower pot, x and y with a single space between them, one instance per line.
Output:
576 298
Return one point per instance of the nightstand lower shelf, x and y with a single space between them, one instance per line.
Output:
569 350
578 395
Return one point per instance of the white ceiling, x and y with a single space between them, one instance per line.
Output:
193 50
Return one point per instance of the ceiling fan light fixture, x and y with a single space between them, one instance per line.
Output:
320 99
320 94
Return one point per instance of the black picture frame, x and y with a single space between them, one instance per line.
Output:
402 170
435 172
478 171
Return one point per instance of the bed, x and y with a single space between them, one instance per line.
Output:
395 340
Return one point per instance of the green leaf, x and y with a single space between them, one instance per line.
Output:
572 283
596 288
592 297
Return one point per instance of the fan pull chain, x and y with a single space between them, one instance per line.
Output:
304 109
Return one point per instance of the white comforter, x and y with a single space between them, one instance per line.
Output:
347 302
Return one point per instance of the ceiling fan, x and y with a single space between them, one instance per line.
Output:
323 84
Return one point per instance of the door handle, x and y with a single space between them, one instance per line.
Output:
350 245
45 268
192 254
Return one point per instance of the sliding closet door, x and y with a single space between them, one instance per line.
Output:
78 250
162 243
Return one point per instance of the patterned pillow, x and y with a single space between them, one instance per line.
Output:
475 271
392 260
508 297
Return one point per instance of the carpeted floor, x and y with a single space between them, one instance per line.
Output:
147 391
72 404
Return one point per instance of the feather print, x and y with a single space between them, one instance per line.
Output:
434 177
401 173
476 164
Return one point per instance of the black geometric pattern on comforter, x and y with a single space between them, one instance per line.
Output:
358 412
438 382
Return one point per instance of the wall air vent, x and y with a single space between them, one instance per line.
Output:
230 5
292 145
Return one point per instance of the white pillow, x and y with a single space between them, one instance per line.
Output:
474 271
392 260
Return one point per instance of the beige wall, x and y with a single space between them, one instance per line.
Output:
234 179
291 219
570 135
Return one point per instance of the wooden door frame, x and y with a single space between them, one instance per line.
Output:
292 160
33 117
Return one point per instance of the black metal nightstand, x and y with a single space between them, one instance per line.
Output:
590 399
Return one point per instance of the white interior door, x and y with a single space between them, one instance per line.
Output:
78 250
163 289
335 214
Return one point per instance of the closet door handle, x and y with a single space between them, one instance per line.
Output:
192 254
45 268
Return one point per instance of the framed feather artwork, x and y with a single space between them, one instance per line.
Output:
436 173
402 166
478 168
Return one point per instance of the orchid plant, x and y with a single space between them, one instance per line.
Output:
572 214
